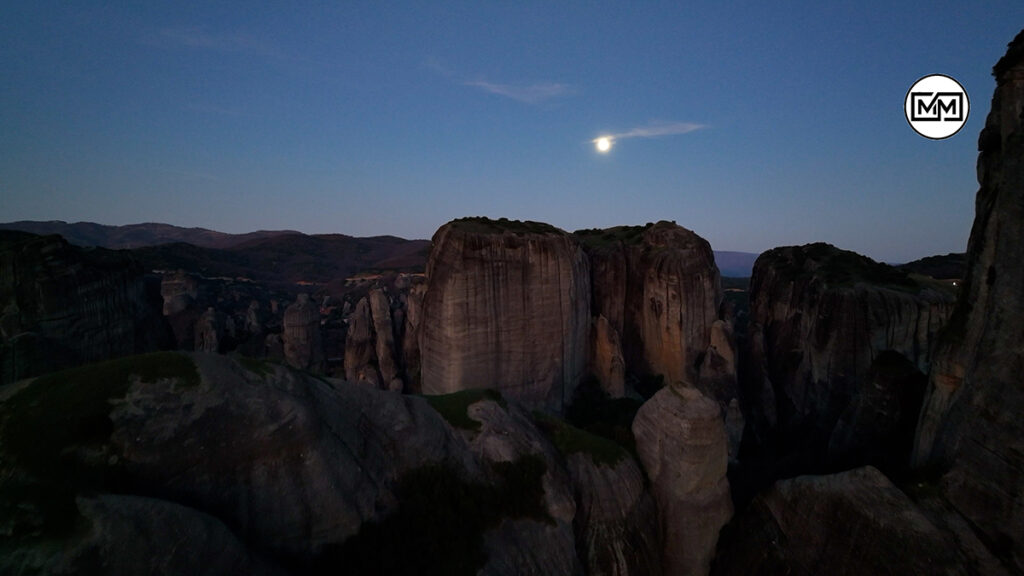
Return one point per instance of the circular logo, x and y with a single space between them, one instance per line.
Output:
936 106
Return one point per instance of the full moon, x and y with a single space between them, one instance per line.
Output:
603 144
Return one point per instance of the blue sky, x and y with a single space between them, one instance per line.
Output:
393 118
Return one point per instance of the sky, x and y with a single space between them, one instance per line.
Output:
755 126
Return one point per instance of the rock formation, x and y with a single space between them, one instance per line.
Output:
370 354
360 357
970 424
506 307
606 361
302 344
64 306
820 318
658 289
616 520
682 443
852 523
209 331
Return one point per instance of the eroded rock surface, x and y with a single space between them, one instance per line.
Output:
971 423
820 318
64 306
506 307
681 441
303 346
658 289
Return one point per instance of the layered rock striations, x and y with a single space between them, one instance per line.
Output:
370 354
506 307
970 424
682 444
656 293
821 320
63 306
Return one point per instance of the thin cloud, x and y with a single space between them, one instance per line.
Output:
528 93
658 130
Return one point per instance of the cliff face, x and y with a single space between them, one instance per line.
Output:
64 306
971 421
821 318
506 307
658 290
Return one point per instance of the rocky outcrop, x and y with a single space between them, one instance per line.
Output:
506 307
970 424
659 290
682 443
820 318
371 357
64 306
209 331
303 347
616 520
852 523
360 357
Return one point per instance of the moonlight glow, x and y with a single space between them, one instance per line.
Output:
603 144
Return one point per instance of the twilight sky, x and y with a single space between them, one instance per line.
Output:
754 126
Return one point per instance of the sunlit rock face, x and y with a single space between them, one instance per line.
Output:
658 290
821 320
506 307
971 421
682 443
61 305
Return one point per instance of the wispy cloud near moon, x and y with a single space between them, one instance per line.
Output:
658 130
604 142
528 93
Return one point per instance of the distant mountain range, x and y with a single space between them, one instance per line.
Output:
383 251
288 254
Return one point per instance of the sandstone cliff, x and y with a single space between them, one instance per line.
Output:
821 318
63 306
658 291
970 423
506 307
682 443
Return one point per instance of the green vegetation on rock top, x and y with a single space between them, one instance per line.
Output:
453 407
607 237
835 267
483 225
571 440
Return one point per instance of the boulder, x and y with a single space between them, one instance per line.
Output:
851 523
682 444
